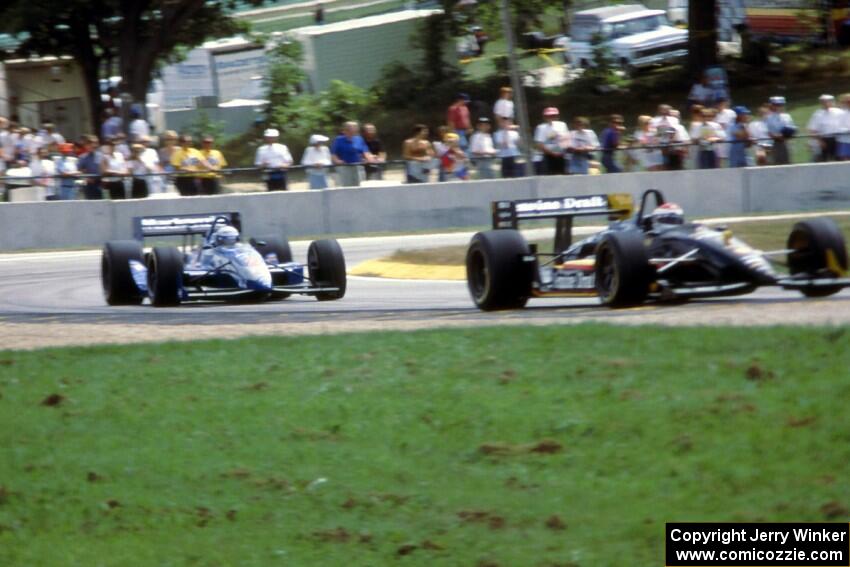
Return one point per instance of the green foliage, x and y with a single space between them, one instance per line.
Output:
285 74
203 125
603 72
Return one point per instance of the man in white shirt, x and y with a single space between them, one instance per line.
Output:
504 107
506 139
274 158
550 139
482 149
725 117
318 157
583 142
826 123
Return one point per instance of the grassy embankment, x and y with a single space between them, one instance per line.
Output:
499 447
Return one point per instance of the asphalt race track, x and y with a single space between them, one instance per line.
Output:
56 299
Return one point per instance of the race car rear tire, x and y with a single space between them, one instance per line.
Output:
623 273
326 264
119 288
165 276
273 244
815 243
497 275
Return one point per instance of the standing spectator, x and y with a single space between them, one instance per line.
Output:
506 140
418 154
139 127
706 133
113 167
112 124
121 146
140 171
583 142
440 149
7 143
674 139
150 157
843 141
780 127
25 145
611 142
187 162
550 137
646 151
274 158
702 93
454 159
725 117
457 117
349 150
482 149
481 39
89 164
211 178
504 107
317 157
68 171
665 115
375 168
48 135
43 170
319 16
826 123
740 139
758 134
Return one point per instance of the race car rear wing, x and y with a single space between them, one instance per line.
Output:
507 214
180 225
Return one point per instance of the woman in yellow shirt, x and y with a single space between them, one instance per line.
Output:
188 163
215 161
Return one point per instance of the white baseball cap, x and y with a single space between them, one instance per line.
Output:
318 139
271 133
826 97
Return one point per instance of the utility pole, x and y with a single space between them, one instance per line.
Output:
516 82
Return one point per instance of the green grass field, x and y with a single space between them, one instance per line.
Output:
500 447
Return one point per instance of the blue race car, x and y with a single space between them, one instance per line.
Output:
220 267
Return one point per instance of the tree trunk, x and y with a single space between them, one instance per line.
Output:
702 35
90 63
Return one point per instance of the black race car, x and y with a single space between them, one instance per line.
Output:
650 254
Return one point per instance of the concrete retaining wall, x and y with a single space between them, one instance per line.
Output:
432 206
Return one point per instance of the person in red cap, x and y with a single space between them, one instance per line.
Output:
68 172
550 139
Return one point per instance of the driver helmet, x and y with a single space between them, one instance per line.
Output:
226 236
667 214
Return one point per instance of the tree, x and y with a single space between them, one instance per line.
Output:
702 35
130 36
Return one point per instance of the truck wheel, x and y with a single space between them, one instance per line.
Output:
623 273
272 244
496 274
326 264
165 276
119 288
818 249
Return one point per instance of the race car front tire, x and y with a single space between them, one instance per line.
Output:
165 276
119 288
622 273
819 249
497 275
272 244
326 264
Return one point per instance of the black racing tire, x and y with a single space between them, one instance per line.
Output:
623 273
119 288
279 246
496 274
165 276
326 264
815 243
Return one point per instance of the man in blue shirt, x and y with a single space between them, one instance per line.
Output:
349 150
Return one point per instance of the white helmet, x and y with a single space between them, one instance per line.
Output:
667 214
226 236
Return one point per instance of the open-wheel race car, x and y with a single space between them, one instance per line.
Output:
651 254
214 264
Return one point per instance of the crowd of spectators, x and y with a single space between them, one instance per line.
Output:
713 135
